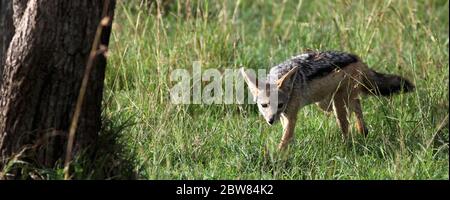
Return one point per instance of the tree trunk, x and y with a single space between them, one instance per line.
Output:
42 74
6 30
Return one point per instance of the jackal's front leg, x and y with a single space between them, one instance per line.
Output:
288 121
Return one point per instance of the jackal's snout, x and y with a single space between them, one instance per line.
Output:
271 120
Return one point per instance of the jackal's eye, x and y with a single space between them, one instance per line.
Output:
264 105
280 105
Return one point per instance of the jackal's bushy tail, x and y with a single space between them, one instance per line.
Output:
385 84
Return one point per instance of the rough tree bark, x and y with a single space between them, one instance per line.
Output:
43 69
6 30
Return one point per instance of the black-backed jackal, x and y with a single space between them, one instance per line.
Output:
332 80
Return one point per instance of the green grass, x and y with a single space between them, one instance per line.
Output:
408 136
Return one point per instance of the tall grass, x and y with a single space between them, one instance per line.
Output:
408 133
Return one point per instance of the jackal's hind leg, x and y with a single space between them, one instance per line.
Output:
360 124
340 111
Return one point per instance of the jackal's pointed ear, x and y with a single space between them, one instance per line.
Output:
281 83
252 83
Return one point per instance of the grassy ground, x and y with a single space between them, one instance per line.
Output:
408 132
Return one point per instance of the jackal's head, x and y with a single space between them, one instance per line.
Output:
271 97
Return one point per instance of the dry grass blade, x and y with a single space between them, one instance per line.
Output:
93 53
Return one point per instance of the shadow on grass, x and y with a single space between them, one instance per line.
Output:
107 159
104 160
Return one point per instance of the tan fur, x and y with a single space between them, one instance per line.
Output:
287 76
337 92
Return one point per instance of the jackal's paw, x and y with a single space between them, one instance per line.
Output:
365 132
345 138
282 146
